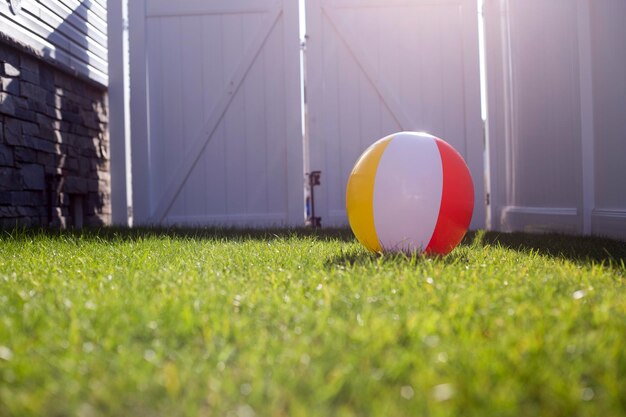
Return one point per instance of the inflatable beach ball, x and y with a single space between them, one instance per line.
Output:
410 192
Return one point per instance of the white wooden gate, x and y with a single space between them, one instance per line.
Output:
215 103
380 66
557 93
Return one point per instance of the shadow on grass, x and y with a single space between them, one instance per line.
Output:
573 248
582 250
361 256
578 249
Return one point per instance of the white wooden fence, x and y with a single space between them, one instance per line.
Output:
216 112
216 105
381 66
557 115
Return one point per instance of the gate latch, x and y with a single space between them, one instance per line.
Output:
313 179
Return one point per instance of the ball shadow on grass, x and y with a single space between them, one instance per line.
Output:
361 256
577 249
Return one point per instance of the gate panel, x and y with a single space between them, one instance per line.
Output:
378 67
608 214
217 140
536 124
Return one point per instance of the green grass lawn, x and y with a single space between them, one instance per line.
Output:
234 323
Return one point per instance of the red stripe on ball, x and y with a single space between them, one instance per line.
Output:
457 202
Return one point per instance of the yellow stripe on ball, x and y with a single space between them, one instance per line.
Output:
360 195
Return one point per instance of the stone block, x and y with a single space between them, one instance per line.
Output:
58 136
29 128
58 218
47 132
10 179
7 104
33 177
28 211
64 199
97 220
13 131
72 164
93 185
75 185
6 155
104 150
33 92
25 114
82 142
91 121
47 160
23 198
9 211
27 221
72 117
30 76
103 175
62 81
71 151
105 200
10 70
9 55
43 120
8 222
39 144
54 170
84 166
93 202
23 154
58 100
29 63
46 78
10 85
50 99
80 101
71 139
89 152
81 129
50 111
37 106
102 117
104 184
102 164
65 126
20 102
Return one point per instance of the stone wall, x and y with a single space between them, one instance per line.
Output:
54 145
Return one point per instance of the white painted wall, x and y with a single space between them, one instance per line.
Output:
555 110
377 67
72 33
